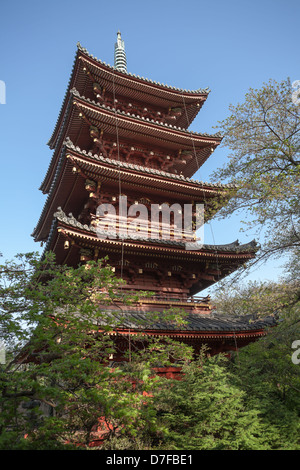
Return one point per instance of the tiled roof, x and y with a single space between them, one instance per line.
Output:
184 136
74 92
82 50
200 90
143 169
194 322
234 247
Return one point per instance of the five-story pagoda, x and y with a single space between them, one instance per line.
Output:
121 142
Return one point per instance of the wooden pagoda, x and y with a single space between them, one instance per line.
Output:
118 134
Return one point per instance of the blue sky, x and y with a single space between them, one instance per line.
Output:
226 46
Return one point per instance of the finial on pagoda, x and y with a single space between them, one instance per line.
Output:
120 55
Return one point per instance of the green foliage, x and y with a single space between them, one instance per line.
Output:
206 411
257 298
59 392
271 380
262 135
248 403
57 387
264 370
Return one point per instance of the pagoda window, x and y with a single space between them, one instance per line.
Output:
150 265
177 268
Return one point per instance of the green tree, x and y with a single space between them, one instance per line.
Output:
250 402
263 138
266 372
256 298
58 347
207 411
58 344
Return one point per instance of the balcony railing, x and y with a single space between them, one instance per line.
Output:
157 298
166 299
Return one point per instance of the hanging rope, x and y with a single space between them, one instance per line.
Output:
119 168
120 193
203 191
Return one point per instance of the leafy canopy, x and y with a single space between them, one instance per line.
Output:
263 138
57 387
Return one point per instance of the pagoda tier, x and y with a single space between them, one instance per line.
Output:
130 93
126 137
83 173
168 268
173 275
220 333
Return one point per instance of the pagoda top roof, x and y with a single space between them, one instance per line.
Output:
201 91
134 86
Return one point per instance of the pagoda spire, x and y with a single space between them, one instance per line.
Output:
120 55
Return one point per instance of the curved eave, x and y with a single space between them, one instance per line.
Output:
102 169
209 326
83 112
131 121
75 79
147 91
66 228
129 85
137 79
74 229
112 170
65 183
145 248
204 335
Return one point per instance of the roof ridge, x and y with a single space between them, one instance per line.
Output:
234 246
153 82
68 143
76 93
